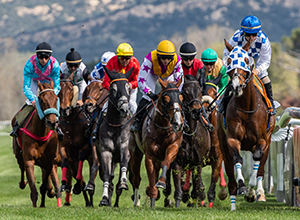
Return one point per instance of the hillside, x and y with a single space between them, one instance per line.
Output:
93 26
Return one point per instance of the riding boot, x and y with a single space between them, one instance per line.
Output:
15 130
268 87
95 133
209 127
60 134
224 102
138 119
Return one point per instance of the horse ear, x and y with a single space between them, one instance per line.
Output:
40 85
162 83
71 77
52 84
108 72
179 82
246 47
228 46
128 74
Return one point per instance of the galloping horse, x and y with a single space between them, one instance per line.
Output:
37 143
195 145
246 126
114 134
75 148
161 136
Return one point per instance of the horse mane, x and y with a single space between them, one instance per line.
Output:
190 78
64 76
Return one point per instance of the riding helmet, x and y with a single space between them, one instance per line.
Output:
73 57
166 47
43 48
124 49
251 24
187 50
106 57
209 55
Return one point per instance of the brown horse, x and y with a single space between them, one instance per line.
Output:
246 126
159 140
37 143
75 148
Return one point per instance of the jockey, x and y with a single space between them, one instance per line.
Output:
162 62
98 71
260 50
193 66
40 67
122 63
215 71
74 64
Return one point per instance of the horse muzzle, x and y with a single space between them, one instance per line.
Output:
66 111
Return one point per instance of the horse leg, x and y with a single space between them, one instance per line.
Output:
29 167
55 182
222 193
167 192
93 170
177 170
198 192
106 160
125 156
19 156
136 157
260 176
46 184
151 172
171 154
186 186
64 168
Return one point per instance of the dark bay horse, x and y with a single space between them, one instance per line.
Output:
114 134
161 136
37 143
75 148
246 126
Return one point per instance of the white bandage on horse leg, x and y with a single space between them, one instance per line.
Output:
123 175
239 175
260 188
105 189
252 181
233 203
136 201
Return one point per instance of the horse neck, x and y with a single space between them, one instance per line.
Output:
159 119
37 126
248 100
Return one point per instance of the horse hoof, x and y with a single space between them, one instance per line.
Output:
132 197
64 188
123 185
261 198
201 204
249 198
89 187
104 201
222 195
167 203
77 189
185 196
22 184
67 204
158 193
160 184
50 194
242 189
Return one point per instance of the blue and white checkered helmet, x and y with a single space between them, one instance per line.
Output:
106 57
238 55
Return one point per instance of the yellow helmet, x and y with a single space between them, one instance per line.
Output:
165 47
124 49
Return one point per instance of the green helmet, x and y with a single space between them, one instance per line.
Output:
209 55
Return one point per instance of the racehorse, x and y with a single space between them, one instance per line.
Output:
37 143
75 148
94 97
161 136
246 126
114 134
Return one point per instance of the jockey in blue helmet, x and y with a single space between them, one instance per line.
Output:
260 51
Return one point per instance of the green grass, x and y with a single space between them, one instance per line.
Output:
16 204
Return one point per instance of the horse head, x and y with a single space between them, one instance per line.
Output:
66 94
119 91
170 102
47 104
238 65
192 96
91 95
